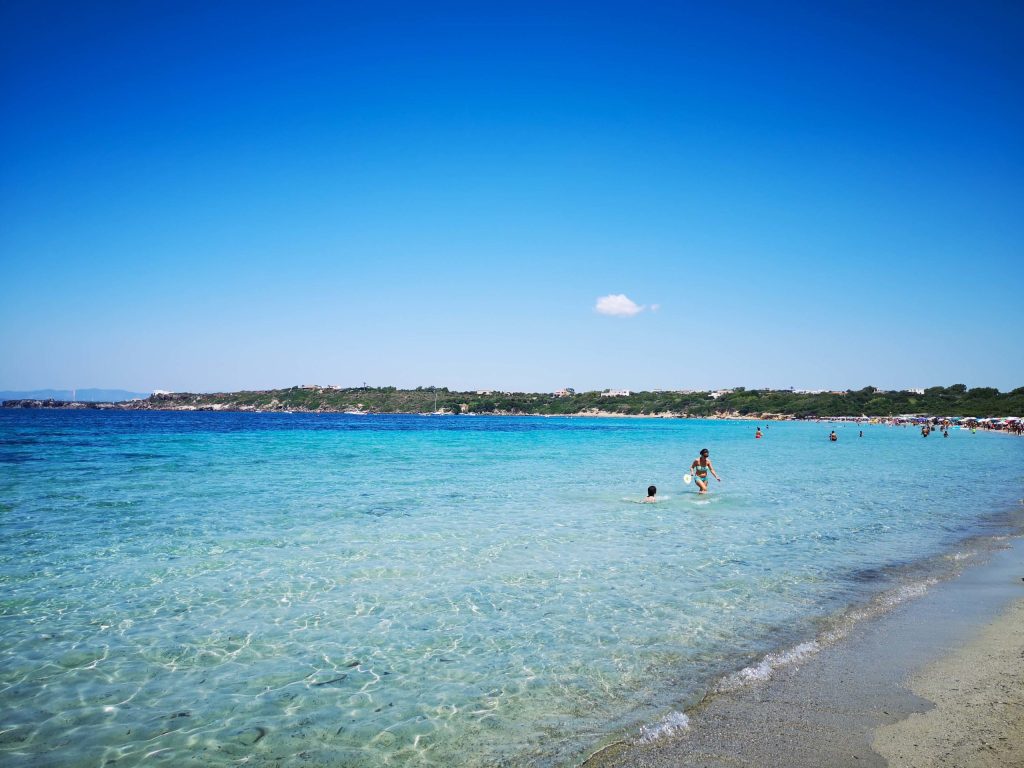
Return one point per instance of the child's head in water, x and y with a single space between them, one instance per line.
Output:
651 491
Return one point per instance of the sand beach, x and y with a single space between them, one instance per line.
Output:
938 682
978 693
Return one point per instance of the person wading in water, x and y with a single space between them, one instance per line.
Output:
700 468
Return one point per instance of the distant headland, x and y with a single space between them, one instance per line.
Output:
74 395
956 400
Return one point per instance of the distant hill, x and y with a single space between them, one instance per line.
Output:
81 395
956 400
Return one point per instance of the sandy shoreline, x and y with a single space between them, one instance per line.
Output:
978 693
936 683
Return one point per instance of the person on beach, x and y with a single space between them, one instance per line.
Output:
700 468
833 437
757 435
652 491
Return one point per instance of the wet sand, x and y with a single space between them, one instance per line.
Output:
978 692
939 681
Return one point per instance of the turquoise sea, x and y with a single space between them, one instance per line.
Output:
300 589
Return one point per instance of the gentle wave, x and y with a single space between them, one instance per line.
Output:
387 591
670 725
766 667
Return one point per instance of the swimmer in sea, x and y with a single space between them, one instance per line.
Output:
700 468
651 493
758 435
833 437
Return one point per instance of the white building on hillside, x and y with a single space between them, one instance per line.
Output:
616 393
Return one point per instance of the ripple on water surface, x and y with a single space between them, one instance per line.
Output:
216 588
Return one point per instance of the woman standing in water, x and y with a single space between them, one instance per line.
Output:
700 468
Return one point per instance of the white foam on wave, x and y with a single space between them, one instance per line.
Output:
765 668
956 557
673 722
881 604
908 592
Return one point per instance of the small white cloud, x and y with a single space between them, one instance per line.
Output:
618 305
655 307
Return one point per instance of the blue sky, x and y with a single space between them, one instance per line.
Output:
216 196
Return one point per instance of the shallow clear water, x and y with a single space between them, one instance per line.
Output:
218 588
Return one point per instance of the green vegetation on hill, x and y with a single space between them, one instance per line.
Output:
956 400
